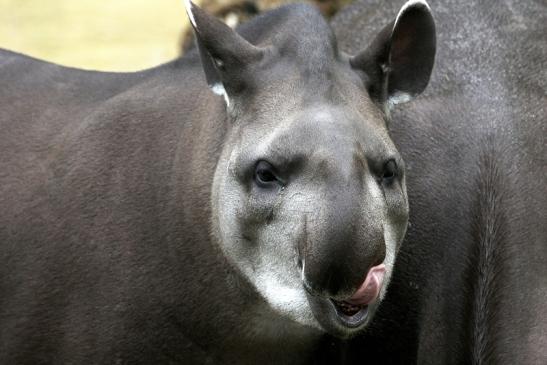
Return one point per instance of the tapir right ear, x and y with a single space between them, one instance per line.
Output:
224 53
399 61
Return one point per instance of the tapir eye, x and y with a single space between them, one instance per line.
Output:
390 172
265 175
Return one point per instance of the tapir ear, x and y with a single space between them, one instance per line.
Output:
399 61
224 53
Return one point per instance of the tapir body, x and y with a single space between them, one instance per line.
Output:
470 284
147 220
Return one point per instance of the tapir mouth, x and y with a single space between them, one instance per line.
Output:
353 311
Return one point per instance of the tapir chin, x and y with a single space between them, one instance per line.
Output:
241 204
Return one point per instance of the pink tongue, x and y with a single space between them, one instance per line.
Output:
370 288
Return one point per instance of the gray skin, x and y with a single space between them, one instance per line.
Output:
470 281
134 228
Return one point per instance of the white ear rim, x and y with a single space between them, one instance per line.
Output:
398 98
408 4
402 97
188 5
219 89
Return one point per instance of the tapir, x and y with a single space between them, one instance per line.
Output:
470 280
242 204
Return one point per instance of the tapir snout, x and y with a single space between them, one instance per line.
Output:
342 248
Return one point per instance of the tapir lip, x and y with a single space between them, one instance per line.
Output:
367 291
350 312
353 320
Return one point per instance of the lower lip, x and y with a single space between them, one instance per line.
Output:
354 320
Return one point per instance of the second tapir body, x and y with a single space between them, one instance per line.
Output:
146 220
470 283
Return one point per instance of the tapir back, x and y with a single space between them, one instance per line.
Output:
95 217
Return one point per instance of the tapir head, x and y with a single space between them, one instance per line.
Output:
309 199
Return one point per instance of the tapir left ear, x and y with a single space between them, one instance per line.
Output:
224 53
399 61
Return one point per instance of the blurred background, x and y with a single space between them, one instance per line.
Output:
116 35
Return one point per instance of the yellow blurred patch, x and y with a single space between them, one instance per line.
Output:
110 35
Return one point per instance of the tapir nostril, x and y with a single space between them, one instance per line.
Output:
341 270
327 282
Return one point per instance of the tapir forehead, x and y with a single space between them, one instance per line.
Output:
331 123
332 138
287 86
